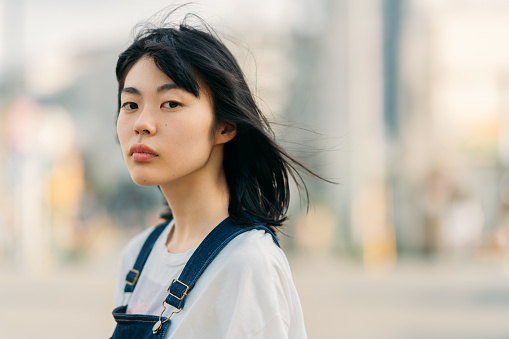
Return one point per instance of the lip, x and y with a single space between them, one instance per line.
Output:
141 152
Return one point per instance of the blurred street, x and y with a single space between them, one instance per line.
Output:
340 300
414 301
404 103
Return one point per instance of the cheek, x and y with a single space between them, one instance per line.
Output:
196 134
122 129
193 125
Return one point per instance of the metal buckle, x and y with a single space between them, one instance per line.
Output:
137 274
173 295
157 326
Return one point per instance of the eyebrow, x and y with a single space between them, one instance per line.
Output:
167 87
160 89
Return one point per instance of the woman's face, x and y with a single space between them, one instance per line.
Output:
165 132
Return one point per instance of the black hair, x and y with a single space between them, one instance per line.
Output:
257 169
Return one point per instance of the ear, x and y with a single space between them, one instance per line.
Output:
225 133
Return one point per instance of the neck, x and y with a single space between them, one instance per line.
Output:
199 202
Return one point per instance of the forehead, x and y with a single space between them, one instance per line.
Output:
145 77
144 73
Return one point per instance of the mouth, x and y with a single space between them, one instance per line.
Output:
141 152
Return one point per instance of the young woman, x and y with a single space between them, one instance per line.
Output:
188 123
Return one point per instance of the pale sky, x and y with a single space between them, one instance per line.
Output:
53 25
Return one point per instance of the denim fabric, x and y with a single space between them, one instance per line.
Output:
140 326
136 325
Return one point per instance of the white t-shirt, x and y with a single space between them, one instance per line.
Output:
246 292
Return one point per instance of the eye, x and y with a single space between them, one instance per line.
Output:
129 106
171 104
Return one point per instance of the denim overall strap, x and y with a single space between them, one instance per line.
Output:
209 248
134 273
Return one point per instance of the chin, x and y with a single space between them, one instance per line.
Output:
145 184
144 181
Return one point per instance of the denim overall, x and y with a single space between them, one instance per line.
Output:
141 326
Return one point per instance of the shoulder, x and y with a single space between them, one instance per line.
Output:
246 292
253 252
252 276
255 241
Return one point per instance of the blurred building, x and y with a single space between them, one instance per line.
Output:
412 94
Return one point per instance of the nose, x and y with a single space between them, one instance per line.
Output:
145 123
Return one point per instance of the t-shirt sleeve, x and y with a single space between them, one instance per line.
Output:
267 304
274 328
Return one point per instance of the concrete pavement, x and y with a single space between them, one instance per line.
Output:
340 300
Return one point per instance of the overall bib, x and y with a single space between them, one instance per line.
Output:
142 326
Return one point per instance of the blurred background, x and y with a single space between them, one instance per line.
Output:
405 103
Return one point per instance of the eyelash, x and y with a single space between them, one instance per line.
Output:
124 106
173 104
177 104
